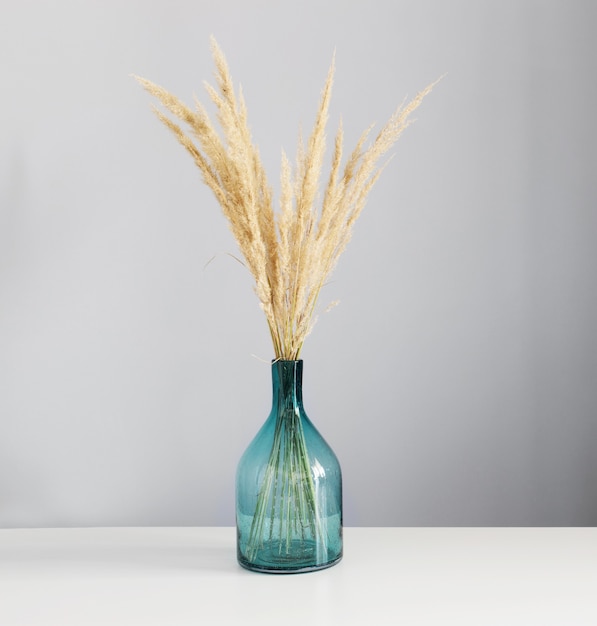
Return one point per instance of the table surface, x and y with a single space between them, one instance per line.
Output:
401 576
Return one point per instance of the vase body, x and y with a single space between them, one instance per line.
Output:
288 488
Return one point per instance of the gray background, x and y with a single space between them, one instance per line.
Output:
457 378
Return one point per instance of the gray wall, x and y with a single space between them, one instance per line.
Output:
456 380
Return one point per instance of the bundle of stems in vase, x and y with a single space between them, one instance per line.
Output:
290 252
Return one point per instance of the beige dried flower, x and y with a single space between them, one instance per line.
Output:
290 252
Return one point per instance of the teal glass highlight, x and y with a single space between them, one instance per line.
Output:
288 488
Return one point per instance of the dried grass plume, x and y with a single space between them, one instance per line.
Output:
290 251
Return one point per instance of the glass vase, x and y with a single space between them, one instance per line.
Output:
288 488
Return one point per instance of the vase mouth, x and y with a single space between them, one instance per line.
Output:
281 360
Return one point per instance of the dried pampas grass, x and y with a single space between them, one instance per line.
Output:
290 252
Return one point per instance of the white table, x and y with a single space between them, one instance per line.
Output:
394 576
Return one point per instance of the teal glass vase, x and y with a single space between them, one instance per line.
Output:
288 488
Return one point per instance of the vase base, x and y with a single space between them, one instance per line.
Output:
286 569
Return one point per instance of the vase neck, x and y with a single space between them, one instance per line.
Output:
287 383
